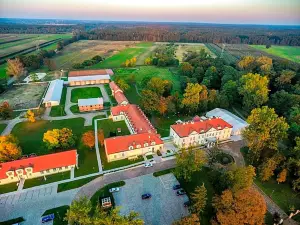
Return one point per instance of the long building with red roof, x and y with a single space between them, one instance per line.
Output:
37 166
200 132
118 94
89 77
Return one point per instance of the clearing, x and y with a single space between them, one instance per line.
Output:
24 96
182 48
85 93
287 52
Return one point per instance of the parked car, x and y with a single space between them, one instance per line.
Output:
176 187
146 196
32 155
112 190
48 218
180 192
187 204
148 165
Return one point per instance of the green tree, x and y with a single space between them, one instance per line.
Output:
78 214
189 161
254 89
266 129
229 74
241 178
186 69
149 101
199 198
191 97
122 84
230 90
283 101
211 78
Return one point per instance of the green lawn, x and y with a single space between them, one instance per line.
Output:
108 90
12 221
59 213
5 188
163 172
109 126
103 192
132 96
60 109
74 109
84 93
2 127
49 179
116 60
3 70
288 52
75 184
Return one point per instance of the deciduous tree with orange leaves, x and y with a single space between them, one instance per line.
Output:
243 207
59 138
5 110
282 176
188 220
9 148
30 116
88 139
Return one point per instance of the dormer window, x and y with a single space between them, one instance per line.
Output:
146 145
138 146
153 143
10 173
28 169
130 147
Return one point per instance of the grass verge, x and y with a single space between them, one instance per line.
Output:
49 179
75 184
59 214
163 172
2 127
5 188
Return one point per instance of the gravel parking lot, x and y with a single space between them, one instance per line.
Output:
162 209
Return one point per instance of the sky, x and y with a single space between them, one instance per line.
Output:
281 12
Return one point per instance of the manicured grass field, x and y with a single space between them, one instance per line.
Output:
84 93
59 110
49 179
3 70
5 188
74 109
287 52
2 127
116 61
74 184
110 126
59 214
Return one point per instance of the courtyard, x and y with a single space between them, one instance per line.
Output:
163 208
85 93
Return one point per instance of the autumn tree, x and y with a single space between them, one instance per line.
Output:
88 139
163 105
14 68
285 78
78 214
192 219
9 148
241 178
281 177
247 63
186 69
266 169
59 138
199 198
189 161
122 84
148 61
265 130
254 89
149 101
191 97
158 85
30 116
100 136
244 207
5 110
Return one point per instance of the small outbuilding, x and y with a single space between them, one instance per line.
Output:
90 104
53 95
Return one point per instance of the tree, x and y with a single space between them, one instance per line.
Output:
122 84
247 63
5 110
229 74
244 207
163 105
189 161
211 78
230 90
254 89
34 77
241 178
266 169
148 61
188 220
283 101
30 116
88 139
101 137
9 148
78 214
285 78
199 198
149 101
266 129
186 69
281 177
59 138
158 85
14 68
191 97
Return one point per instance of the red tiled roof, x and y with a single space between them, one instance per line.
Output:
136 116
122 143
77 73
185 129
120 97
40 163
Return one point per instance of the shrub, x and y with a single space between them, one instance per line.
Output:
158 153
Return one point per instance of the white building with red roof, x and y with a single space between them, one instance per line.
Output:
118 94
37 166
87 77
131 146
200 132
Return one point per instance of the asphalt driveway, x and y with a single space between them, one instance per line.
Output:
162 209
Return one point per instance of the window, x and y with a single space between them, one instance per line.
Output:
54 169
42 172
10 173
115 156
60 168
48 171
123 154
138 146
146 145
66 167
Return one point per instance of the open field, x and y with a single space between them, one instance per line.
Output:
150 48
217 50
3 70
116 60
24 96
287 52
5 38
82 50
190 47
18 46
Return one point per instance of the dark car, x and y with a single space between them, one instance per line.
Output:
176 187
187 204
180 192
146 196
48 218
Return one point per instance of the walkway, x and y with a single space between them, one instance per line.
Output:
11 124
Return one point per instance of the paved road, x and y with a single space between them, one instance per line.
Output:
11 124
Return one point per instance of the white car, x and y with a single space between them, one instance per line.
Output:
148 165
112 190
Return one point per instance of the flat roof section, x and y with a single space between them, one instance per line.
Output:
54 91
90 101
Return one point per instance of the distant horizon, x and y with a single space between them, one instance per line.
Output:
142 21
252 12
